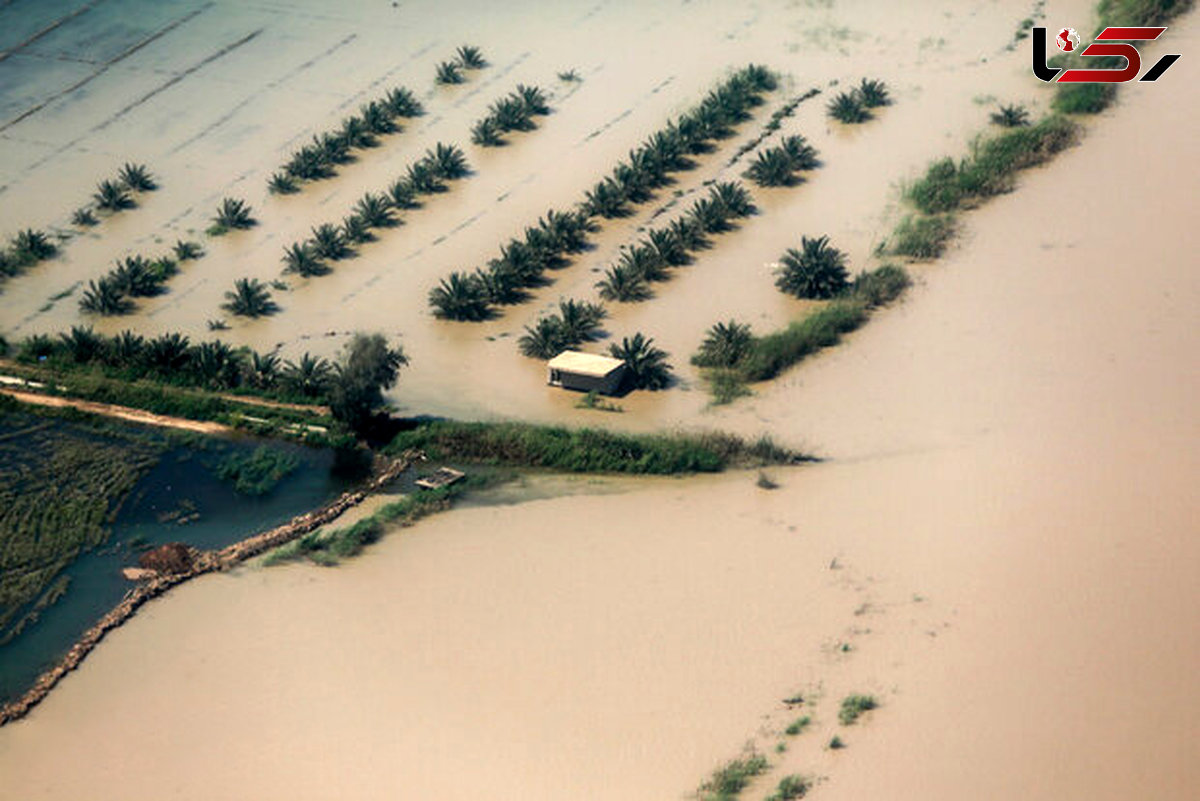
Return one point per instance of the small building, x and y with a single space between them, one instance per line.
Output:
586 372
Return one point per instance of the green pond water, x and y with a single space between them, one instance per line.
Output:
180 498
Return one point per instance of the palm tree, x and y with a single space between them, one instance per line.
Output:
82 344
187 250
724 345
377 118
1012 116
134 277
533 98
375 211
137 178
644 163
666 148
402 102
544 340
301 259
422 178
816 271
566 229
249 298
759 77
282 183
709 215
606 199
334 148
689 233
31 246
355 231
459 297
511 114
501 285
36 348
163 269
262 370
328 242
84 216
447 161
802 155
312 162
569 76
486 133
215 365
622 284
644 261
125 350
522 261
447 72
580 320
167 354
309 378
112 196
355 133
233 214
645 365
848 108
772 167
633 183
668 247
873 93
104 297
471 57
402 195
733 198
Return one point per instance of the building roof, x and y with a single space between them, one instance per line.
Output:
592 364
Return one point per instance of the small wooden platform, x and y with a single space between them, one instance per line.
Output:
442 477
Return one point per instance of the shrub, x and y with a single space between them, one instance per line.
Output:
774 352
853 706
1083 98
726 386
922 236
798 725
880 286
732 777
791 787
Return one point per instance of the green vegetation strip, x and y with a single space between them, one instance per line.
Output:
589 450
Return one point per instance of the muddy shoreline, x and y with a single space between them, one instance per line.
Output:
202 562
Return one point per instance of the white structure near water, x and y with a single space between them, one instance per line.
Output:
586 372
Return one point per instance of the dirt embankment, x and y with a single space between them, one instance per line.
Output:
120 412
201 562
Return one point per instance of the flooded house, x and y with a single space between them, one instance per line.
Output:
586 372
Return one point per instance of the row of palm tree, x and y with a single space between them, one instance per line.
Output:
472 296
331 242
134 277
319 158
174 359
520 266
514 112
25 249
855 106
467 57
576 322
641 264
777 166
113 195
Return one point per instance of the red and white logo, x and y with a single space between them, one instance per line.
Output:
1067 40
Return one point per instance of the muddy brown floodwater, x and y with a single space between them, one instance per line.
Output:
1001 547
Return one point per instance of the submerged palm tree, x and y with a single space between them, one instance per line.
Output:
644 261
732 197
262 370
378 118
711 216
355 133
645 365
30 246
135 277
689 233
233 213
471 57
803 155
511 114
816 271
215 365
355 231
623 284
486 133
187 250
126 350
500 284
459 297
402 195
313 162
606 199
249 298
402 102
302 259
1012 116
328 242
375 211
848 108
83 344
282 183
84 216
446 161
873 93
112 196
759 77
167 354
724 345
137 177
310 377
104 297
667 246
533 98
580 320
771 167
544 340
421 177
447 72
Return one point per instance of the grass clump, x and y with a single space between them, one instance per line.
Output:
585 450
791 787
258 472
922 237
731 778
836 743
853 706
798 725
1083 98
774 352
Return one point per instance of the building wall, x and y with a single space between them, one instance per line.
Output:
586 383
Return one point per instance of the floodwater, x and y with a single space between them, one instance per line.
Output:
1001 546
